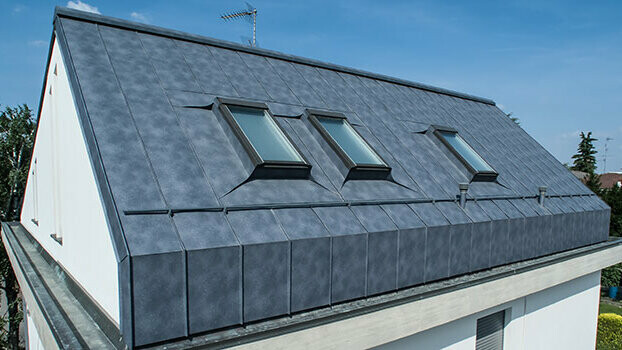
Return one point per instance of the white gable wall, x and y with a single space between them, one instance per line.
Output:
63 197
561 317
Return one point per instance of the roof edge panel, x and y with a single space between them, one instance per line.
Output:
175 34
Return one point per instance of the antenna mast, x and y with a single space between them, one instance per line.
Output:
249 14
605 155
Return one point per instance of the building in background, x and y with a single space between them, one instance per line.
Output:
580 175
189 192
610 180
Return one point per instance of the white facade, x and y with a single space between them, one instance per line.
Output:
33 341
62 196
562 317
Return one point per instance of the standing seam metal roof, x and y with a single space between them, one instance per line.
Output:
200 244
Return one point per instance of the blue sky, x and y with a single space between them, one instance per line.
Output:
556 65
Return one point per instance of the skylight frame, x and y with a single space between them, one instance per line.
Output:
356 170
265 168
478 175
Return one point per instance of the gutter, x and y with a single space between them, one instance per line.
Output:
69 320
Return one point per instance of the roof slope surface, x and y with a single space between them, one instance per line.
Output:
201 244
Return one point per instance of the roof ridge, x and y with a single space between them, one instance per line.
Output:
60 11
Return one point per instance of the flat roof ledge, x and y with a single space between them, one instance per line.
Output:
65 317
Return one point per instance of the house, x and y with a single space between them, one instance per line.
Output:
190 192
581 175
610 180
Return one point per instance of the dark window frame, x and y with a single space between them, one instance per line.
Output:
477 174
357 171
264 168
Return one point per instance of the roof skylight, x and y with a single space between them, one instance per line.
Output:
264 135
263 139
355 152
476 164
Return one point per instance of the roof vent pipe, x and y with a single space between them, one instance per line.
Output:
464 187
542 190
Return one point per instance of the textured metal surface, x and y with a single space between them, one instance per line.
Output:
214 270
266 263
349 253
382 248
500 248
310 257
148 97
158 290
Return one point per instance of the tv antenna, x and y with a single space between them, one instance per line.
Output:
605 155
249 14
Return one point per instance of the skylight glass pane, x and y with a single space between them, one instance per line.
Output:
264 135
463 148
349 141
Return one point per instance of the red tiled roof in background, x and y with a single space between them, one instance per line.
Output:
608 180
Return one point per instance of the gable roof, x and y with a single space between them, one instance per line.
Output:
609 180
182 210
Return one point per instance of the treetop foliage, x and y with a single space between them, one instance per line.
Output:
17 133
585 159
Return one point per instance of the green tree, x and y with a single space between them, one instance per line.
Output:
612 276
17 131
613 198
592 181
585 159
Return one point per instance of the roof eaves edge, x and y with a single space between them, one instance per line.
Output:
151 29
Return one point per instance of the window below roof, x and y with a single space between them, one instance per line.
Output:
489 333
270 149
354 151
473 161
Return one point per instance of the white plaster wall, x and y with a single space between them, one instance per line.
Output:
67 200
460 334
34 343
564 317
561 317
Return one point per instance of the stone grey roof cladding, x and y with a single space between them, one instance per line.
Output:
197 237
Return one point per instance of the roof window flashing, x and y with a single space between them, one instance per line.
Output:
481 170
363 162
270 149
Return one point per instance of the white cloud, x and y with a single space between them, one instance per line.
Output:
79 5
137 16
37 43
18 8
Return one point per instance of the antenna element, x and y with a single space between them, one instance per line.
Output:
605 155
250 14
